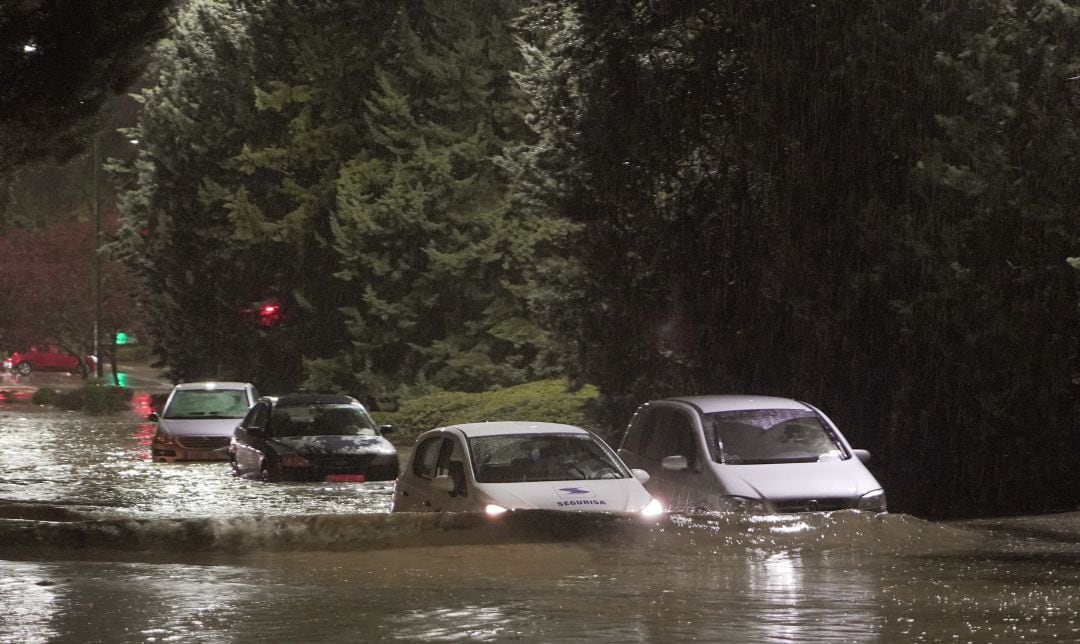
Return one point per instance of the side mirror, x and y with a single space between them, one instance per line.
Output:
386 429
862 455
641 475
153 417
442 484
674 463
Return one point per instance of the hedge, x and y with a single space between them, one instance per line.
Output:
543 401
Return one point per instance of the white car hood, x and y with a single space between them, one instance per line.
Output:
200 426
605 495
823 479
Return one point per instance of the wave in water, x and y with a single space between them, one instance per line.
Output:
39 526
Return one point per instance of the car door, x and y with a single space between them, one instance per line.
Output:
55 359
248 439
660 433
45 358
435 480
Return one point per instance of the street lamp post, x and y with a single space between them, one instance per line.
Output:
97 258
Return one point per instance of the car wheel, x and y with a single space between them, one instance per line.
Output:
269 473
23 368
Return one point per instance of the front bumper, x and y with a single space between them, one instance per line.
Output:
202 451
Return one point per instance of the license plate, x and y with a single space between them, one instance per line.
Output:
345 478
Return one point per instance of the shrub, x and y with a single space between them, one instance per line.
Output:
133 353
542 401
45 396
96 397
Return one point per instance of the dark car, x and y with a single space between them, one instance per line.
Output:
312 437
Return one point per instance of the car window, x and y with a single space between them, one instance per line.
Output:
451 451
207 403
258 416
426 456
452 463
320 420
637 434
671 435
771 436
514 458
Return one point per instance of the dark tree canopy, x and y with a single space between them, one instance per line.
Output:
60 60
343 159
865 205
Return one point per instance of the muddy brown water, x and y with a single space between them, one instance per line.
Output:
98 544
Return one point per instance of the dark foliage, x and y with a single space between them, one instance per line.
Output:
60 60
864 205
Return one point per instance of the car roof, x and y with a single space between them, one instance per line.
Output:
710 404
212 384
305 398
500 427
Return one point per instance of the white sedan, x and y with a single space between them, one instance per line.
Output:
493 467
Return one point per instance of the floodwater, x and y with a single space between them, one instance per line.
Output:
98 544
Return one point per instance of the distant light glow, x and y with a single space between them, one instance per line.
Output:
29 48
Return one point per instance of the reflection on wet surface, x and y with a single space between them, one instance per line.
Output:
99 544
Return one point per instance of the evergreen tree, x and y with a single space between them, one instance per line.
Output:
197 113
341 160
439 259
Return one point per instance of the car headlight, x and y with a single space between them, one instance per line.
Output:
492 508
652 509
294 460
872 501
742 504
163 437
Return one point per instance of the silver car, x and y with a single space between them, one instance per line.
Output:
758 453
198 420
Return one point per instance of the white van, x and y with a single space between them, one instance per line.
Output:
757 453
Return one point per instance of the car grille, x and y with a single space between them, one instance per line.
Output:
203 442
369 465
812 505
344 464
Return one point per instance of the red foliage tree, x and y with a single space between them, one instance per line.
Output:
47 288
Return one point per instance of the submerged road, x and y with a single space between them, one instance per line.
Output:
98 544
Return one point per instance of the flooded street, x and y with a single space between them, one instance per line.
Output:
98 544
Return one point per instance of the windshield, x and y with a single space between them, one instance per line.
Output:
207 403
320 420
770 436
516 458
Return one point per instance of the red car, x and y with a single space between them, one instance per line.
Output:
48 357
